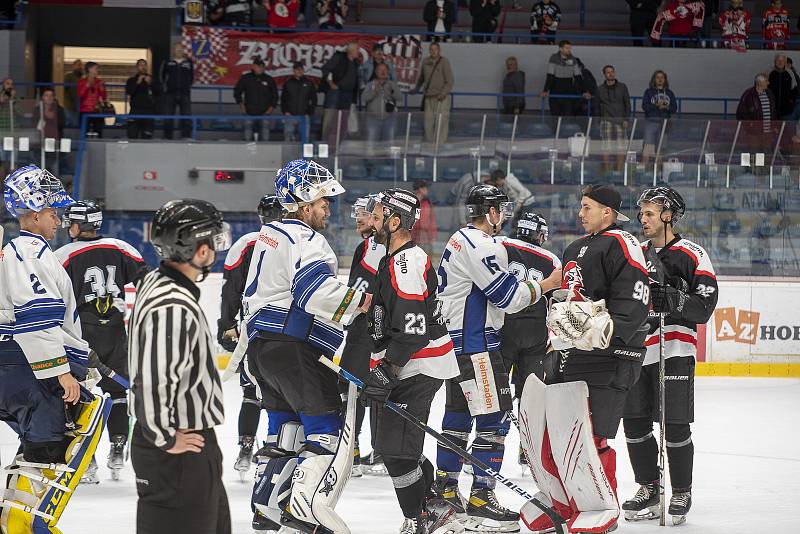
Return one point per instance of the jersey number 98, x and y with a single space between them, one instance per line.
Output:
641 291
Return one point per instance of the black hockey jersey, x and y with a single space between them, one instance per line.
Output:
366 258
100 268
234 276
610 265
682 259
405 318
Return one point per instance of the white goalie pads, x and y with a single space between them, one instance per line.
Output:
583 324
560 413
319 480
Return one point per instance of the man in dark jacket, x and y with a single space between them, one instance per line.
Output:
643 16
142 97
564 77
177 76
340 83
782 87
299 97
614 108
513 83
439 15
256 94
757 110
484 18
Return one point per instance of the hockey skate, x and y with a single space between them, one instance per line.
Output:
679 505
449 494
116 457
644 505
91 476
245 458
486 514
417 525
373 465
442 518
356 470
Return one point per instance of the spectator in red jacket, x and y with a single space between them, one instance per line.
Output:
282 13
684 18
424 232
93 98
735 24
775 25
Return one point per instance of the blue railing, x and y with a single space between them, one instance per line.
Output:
300 120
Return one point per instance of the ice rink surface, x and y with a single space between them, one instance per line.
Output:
746 476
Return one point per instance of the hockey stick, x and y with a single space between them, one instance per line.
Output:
558 521
236 357
106 371
662 408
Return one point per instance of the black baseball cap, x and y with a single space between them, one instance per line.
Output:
607 196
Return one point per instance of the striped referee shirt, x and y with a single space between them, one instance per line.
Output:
174 380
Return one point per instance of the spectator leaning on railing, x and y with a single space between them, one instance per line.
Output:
332 14
783 86
642 17
658 103
71 92
93 98
545 17
256 94
484 18
735 24
513 82
299 98
439 15
436 83
614 109
564 77
775 25
142 93
177 77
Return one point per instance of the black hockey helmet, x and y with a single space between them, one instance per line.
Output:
270 209
180 226
484 196
400 202
531 227
85 213
666 197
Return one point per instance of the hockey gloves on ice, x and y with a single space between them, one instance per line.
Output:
378 385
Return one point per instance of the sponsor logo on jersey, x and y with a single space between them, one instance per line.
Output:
486 385
455 244
583 251
267 240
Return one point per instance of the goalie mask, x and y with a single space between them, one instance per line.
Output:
668 199
303 182
32 188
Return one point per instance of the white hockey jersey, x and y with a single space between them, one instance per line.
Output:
477 290
37 307
292 288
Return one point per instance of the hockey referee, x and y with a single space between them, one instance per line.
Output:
176 395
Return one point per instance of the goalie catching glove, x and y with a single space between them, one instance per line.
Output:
585 324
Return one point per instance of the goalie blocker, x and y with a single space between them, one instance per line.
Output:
600 330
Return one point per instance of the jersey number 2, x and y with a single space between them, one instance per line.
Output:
101 286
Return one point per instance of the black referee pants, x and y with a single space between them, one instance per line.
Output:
179 493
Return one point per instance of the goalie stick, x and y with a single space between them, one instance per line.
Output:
236 357
558 522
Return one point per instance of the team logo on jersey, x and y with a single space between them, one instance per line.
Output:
572 277
583 251
329 482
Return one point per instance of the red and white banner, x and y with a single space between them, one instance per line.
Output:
221 56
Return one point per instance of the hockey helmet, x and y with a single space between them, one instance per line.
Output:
32 188
269 209
360 205
304 181
86 214
180 226
531 227
484 196
666 197
400 202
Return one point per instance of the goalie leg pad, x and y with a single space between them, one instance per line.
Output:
284 431
580 468
36 493
323 471
273 481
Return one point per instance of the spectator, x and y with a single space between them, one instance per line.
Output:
299 98
257 94
340 82
775 26
424 232
613 108
177 77
783 87
564 77
514 82
49 116
436 83
10 113
545 17
71 92
642 18
458 196
684 19
735 24
142 94
439 15
230 12
331 14
758 104
366 73
586 106
282 13
9 92
93 98
484 18
510 185
658 103
380 98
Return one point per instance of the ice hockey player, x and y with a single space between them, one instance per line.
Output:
477 290
599 318
100 268
358 343
524 335
295 308
237 262
42 357
688 298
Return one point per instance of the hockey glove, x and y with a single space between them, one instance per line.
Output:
667 299
586 325
378 385
228 339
